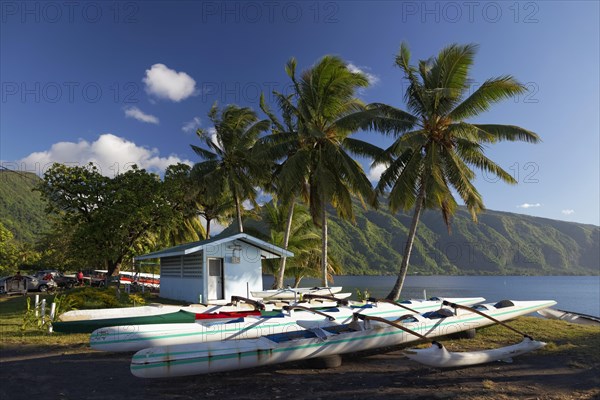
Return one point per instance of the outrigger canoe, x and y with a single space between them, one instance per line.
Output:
86 321
203 358
137 337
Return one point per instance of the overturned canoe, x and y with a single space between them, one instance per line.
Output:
438 356
137 337
202 358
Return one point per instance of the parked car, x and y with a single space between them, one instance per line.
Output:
65 281
8 284
46 274
94 278
35 284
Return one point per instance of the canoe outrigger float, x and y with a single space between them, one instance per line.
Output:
570 316
203 358
137 337
438 356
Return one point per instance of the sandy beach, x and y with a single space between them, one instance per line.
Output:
28 371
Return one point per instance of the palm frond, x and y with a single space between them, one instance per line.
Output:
510 133
490 92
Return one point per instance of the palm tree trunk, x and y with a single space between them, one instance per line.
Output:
207 228
238 210
297 280
286 239
324 240
395 293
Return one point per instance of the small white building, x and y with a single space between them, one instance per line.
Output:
214 269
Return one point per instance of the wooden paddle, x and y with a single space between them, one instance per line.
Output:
257 305
454 305
395 325
374 300
297 307
310 296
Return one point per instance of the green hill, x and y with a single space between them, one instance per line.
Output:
501 243
21 209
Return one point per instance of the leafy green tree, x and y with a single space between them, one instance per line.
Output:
214 204
436 150
109 218
185 226
9 256
326 113
228 157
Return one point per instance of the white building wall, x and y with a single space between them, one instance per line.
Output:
239 277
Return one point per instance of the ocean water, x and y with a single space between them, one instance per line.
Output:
573 293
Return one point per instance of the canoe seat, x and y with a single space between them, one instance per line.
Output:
504 303
441 313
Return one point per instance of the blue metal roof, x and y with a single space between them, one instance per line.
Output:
268 250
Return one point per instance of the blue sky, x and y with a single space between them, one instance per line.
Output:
129 82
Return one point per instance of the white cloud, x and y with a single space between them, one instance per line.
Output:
373 79
134 112
375 172
110 153
527 205
214 138
191 126
165 83
568 211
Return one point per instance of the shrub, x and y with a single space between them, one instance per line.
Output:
92 297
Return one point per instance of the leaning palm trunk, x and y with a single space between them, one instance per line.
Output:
238 210
324 248
395 293
286 238
208 228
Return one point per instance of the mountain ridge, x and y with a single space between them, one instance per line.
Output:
501 243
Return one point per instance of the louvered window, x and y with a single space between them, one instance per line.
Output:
192 265
170 266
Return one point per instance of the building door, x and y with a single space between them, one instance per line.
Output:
215 279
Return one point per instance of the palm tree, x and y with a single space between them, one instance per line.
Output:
303 237
436 149
324 108
274 148
228 157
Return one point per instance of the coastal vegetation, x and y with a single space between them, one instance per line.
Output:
301 154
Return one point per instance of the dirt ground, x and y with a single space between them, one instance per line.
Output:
34 372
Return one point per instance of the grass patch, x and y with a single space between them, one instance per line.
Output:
12 313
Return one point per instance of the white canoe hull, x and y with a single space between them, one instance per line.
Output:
435 356
150 310
137 337
203 358
295 293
